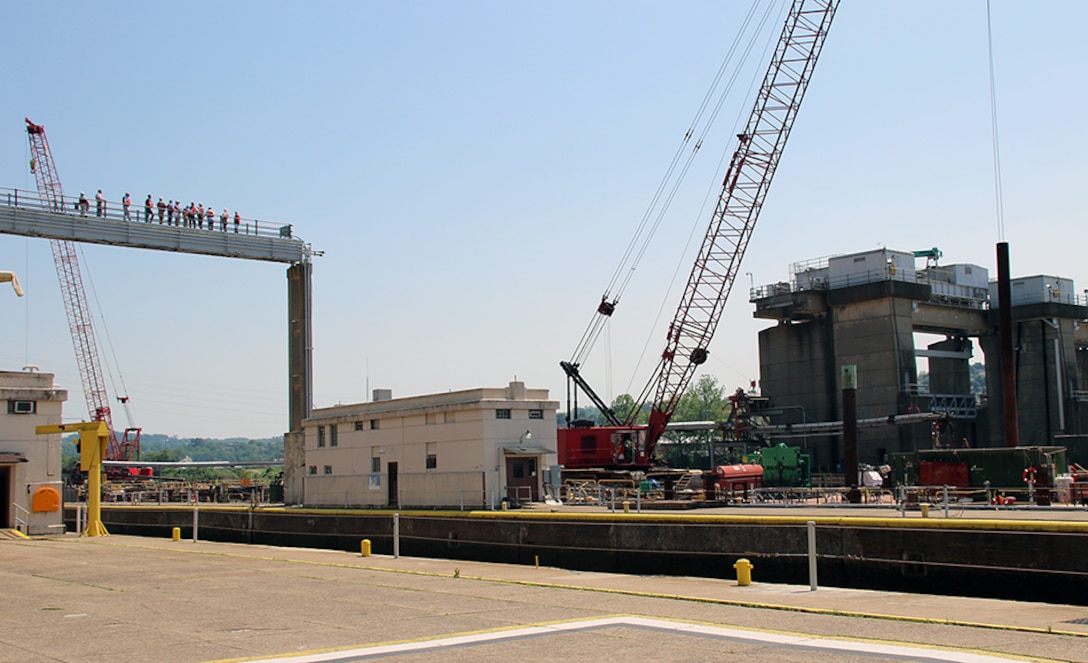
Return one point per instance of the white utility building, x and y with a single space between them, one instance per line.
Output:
471 448
31 487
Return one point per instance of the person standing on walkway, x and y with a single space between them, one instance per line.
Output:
237 220
170 212
126 202
99 204
200 216
162 209
82 205
223 220
210 214
147 209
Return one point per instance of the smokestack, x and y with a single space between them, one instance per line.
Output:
1008 360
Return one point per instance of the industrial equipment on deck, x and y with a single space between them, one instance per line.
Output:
622 445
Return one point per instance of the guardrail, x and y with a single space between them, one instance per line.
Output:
943 293
112 210
21 518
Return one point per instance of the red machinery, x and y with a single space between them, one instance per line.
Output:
75 305
729 479
623 445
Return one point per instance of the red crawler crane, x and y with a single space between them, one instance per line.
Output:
623 445
75 303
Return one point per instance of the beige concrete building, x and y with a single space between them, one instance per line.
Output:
30 465
470 448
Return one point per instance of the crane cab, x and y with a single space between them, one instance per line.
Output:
610 447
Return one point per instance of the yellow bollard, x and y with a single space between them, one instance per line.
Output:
925 510
176 534
364 548
744 572
626 506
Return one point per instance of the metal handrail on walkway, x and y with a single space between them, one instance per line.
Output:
114 210
21 522
27 214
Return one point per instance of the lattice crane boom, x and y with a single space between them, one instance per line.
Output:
744 188
75 301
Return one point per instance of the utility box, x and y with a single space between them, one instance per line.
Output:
1040 289
959 283
870 267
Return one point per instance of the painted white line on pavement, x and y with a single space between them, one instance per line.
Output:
915 653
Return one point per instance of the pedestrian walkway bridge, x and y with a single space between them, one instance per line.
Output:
24 212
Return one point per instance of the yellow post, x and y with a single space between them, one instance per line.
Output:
744 572
93 437
176 534
925 509
626 506
364 548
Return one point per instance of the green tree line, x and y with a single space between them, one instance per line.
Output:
167 448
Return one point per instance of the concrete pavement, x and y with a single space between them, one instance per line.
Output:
124 598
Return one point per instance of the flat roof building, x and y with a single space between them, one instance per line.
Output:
471 448
31 487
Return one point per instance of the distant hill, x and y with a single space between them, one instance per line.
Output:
155 446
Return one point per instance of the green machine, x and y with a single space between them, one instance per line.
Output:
785 467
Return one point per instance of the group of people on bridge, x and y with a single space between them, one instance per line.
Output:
172 213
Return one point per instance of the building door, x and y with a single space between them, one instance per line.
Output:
391 468
521 478
5 496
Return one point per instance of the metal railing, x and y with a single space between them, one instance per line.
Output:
960 406
22 517
944 293
112 210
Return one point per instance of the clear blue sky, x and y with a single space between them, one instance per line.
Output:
473 171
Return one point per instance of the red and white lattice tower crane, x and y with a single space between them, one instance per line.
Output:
75 303
759 148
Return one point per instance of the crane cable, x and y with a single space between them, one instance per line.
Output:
993 127
121 396
590 336
713 189
639 243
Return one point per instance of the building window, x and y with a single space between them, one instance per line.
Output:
374 424
328 469
432 461
332 435
320 436
313 469
22 407
359 425
536 414
502 414
375 464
